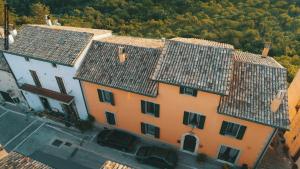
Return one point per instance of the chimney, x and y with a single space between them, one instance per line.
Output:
163 40
48 20
122 55
266 49
275 104
13 32
11 39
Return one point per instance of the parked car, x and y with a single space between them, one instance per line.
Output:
117 139
158 157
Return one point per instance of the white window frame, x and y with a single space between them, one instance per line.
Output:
226 162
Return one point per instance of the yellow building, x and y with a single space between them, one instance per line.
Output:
293 136
199 96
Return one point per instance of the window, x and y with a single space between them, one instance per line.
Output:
54 64
106 96
110 118
150 108
188 91
194 119
27 59
6 97
35 78
16 100
228 154
232 129
61 85
150 130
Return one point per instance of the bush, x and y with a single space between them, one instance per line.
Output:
201 157
244 166
84 125
226 166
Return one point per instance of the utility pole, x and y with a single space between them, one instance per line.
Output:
6 26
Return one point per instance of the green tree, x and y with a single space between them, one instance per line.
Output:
38 12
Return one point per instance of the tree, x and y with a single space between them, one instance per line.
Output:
38 12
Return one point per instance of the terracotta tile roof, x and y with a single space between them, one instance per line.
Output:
202 65
62 46
17 161
135 41
256 81
114 165
67 99
203 42
102 66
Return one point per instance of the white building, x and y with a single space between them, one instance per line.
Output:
9 91
44 60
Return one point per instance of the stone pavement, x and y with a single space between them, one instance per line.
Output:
54 144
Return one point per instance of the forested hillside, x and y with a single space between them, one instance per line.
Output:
246 24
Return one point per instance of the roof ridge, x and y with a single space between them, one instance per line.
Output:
180 39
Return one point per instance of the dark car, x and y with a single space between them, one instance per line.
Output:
117 139
158 157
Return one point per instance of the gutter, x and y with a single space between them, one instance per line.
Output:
265 149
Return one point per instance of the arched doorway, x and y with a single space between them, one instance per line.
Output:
189 143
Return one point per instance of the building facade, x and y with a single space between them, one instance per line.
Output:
292 137
44 60
9 91
199 96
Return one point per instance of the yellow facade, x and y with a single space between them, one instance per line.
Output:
128 115
293 136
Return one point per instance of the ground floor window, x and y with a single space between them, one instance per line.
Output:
110 118
150 130
228 154
6 97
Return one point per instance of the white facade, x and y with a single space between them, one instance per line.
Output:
8 85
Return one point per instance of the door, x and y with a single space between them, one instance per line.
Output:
6 97
45 103
70 112
189 143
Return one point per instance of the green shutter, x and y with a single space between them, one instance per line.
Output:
143 106
100 95
143 128
181 90
112 100
186 118
195 92
223 128
201 122
156 112
157 132
241 133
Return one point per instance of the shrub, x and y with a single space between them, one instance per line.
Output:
244 166
201 157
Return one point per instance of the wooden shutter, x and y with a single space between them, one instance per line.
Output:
112 100
157 132
181 90
156 111
186 118
223 128
241 133
195 92
143 128
201 122
143 106
100 95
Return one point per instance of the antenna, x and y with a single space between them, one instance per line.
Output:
6 26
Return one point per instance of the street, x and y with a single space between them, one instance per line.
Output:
63 148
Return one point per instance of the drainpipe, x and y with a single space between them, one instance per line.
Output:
265 148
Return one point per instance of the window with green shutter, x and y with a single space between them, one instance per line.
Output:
194 120
233 130
106 96
150 108
110 118
150 129
188 91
